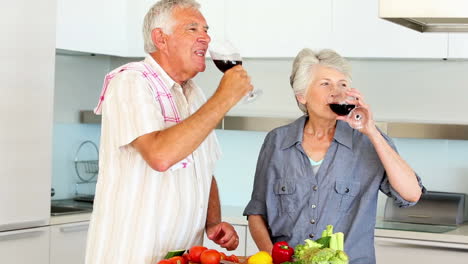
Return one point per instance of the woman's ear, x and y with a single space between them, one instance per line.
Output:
301 99
159 38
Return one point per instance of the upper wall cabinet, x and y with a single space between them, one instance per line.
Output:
274 28
95 26
359 32
458 45
135 15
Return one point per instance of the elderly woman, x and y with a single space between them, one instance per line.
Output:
318 170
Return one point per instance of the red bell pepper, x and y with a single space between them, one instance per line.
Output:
282 252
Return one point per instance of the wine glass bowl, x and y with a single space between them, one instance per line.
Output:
225 56
343 105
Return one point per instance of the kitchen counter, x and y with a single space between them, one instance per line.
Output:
72 217
233 215
459 235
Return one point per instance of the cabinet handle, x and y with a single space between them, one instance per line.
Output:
75 228
15 235
423 243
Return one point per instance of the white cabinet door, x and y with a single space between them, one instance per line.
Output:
458 45
25 246
275 28
404 251
240 251
68 243
27 53
359 32
94 26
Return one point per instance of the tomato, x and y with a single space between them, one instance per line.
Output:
210 256
223 256
195 252
233 258
186 257
165 261
178 260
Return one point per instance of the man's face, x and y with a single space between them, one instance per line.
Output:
188 43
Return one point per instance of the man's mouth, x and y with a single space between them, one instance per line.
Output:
200 52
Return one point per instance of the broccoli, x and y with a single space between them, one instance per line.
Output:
329 249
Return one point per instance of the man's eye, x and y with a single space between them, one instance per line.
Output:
325 84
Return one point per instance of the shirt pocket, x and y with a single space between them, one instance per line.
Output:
285 190
347 192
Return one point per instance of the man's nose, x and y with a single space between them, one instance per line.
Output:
204 38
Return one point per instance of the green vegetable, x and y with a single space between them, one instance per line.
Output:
329 249
173 253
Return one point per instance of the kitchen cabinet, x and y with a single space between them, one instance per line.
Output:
68 243
359 32
271 28
409 251
25 246
458 43
92 26
240 251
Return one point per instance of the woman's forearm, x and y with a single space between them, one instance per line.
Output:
259 231
400 175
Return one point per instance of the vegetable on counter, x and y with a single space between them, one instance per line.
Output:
329 249
261 257
282 252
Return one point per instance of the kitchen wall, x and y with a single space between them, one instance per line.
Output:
443 164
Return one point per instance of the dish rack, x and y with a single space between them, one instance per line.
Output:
86 171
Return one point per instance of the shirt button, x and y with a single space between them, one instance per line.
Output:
283 188
312 221
311 235
347 190
314 206
315 188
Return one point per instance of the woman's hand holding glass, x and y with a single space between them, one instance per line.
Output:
349 105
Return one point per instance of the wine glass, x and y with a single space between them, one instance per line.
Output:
225 56
344 105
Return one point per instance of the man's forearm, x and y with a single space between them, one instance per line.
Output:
213 216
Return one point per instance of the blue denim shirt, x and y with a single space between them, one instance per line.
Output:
298 204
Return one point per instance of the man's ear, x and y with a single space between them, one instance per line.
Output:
159 38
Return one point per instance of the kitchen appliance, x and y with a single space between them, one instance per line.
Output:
427 15
434 208
26 117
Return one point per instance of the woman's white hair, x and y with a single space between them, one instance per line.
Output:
303 69
160 16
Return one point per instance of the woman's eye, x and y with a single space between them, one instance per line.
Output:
325 84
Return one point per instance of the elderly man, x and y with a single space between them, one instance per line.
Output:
156 191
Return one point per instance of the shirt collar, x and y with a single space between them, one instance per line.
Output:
168 81
295 133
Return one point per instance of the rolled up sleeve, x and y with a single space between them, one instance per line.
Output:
387 189
257 203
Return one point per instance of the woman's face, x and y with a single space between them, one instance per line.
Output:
324 81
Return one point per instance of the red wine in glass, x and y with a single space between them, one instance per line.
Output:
342 109
224 65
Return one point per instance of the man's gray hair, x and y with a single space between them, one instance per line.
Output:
160 16
303 69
